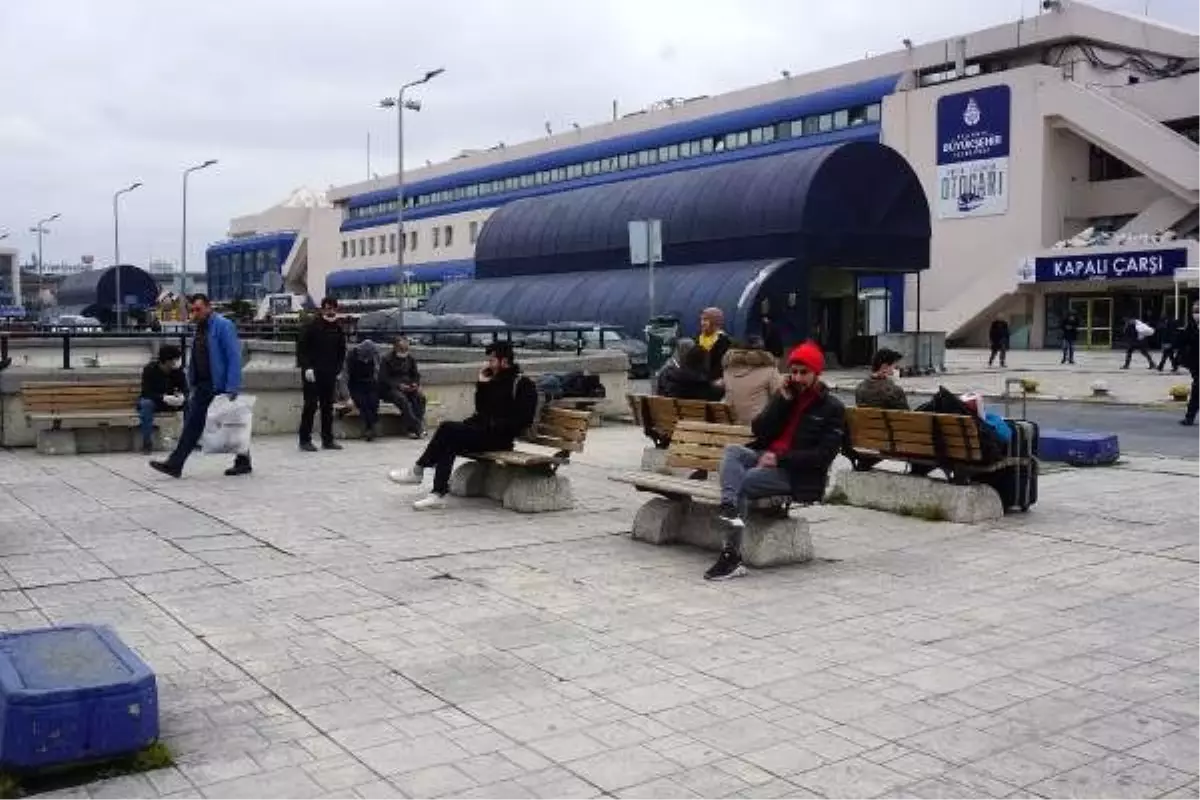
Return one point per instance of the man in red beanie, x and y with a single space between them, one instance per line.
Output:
796 438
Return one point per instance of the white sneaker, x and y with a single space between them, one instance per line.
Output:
431 503
407 476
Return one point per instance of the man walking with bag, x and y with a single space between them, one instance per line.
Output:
320 352
215 368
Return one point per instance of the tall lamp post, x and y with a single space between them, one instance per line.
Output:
183 240
40 229
399 103
117 248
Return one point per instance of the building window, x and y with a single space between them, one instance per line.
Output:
473 232
449 235
370 245
841 119
392 243
353 249
812 125
825 123
437 237
382 244
345 248
412 241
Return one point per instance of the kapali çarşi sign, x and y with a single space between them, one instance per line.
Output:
1106 266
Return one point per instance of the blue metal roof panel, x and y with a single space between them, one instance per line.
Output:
253 242
379 276
856 205
857 94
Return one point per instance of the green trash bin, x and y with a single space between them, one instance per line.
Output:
661 333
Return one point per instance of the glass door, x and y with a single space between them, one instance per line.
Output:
1095 319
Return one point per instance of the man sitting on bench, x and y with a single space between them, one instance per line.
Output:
796 438
505 404
164 388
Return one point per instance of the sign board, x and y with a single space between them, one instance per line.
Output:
1104 266
972 153
645 238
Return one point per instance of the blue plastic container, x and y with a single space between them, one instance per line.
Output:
1082 448
73 693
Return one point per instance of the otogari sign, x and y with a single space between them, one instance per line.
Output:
1105 266
972 152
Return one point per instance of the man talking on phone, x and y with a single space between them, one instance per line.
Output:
505 403
796 438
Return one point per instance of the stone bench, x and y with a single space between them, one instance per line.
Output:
88 417
686 508
527 479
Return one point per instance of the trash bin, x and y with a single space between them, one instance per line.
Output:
661 333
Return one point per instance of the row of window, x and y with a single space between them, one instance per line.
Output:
417 289
384 243
240 274
788 129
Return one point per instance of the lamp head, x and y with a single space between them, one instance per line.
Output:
433 73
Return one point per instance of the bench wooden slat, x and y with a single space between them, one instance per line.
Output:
44 400
910 436
558 444
561 429
516 458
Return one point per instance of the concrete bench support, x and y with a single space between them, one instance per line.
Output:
107 438
919 496
654 459
527 491
767 541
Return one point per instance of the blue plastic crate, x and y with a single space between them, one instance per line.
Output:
1088 448
73 693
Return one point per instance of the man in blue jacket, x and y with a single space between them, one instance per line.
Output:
214 368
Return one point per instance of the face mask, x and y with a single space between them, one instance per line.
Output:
1196 316
175 365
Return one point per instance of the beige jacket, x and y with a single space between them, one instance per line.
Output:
750 378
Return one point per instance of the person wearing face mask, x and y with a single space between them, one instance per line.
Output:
1189 357
400 385
796 438
320 352
164 389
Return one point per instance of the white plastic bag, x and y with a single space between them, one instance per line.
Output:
1143 330
227 427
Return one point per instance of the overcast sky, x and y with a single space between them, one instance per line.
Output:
95 94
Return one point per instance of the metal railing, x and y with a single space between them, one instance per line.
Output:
530 338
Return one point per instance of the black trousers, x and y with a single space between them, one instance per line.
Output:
318 393
1193 398
1169 353
1138 347
454 439
998 350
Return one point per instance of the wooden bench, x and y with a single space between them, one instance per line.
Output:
658 416
949 442
526 478
686 507
96 416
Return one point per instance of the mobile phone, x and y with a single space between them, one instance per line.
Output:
487 372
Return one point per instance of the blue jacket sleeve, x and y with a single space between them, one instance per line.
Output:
232 350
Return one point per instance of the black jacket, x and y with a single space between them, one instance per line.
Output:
998 333
322 347
714 359
684 383
1070 329
816 443
396 371
505 405
1189 347
157 384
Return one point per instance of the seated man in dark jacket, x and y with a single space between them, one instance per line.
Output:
797 437
505 404
164 389
400 385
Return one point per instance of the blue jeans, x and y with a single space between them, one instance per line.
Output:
743 480
146 409
194 420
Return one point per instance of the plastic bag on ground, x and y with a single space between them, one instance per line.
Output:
227 427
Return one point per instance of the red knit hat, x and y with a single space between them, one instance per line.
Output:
808 354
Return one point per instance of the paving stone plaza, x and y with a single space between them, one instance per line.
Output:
314 636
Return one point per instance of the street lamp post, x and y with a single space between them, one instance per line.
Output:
399 103
183 240
117 248
40 229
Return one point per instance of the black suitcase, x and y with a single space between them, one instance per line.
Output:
1018 485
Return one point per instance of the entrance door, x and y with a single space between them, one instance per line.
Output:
1095 319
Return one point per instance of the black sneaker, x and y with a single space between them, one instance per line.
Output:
308 447
1189 421
729 565
330 446
147 448
166 469
729 515
240 467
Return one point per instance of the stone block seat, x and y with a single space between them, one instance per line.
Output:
526 479
87 416
686 507
947 442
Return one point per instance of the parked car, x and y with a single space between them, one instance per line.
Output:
386 324
460 337
568 340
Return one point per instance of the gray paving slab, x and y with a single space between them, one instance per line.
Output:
314 636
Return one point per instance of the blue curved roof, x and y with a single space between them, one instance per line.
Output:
619 297
856 205
435 272
257 242
856 94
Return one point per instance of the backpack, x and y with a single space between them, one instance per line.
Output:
577 384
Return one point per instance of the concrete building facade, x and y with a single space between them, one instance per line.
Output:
1067 138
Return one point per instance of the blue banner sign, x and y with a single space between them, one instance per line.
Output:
972 152
1110 265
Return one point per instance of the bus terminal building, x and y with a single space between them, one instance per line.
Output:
1033 149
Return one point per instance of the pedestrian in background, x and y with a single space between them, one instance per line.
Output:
1136 334
1070 334
320 351
998 338
1189 356
1169 334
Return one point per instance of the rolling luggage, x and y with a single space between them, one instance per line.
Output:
1017 485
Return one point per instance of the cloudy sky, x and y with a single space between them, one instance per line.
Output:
95 94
